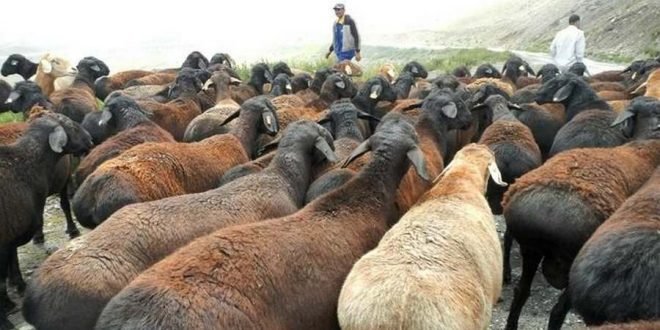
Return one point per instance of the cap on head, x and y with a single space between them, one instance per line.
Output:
338 6
573 18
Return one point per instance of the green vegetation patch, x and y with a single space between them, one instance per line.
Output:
10 117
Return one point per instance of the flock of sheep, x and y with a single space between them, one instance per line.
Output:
311 201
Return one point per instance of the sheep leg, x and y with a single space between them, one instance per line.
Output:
71 228
531 261
14 270
508 242
38 237
6 305
559 311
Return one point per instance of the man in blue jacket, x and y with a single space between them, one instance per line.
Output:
345 37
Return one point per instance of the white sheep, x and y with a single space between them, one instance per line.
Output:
54 73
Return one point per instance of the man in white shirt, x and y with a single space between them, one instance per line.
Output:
568 46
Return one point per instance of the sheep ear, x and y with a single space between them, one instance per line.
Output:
375 91
640 90
478 106
96 68
495 174
513 106
231 117
563 93
323 146
340 84
46 67
450 110
416 157
363 148
439 177
364 115
207 85
413 106
529 68
622 117
233 80
57 139
269 76
268 147
14 62
270 121
13 96
105 117
324 120
414 70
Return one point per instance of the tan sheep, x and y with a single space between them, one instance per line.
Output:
439 266
51 73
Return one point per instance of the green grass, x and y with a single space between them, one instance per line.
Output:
443 60
10 117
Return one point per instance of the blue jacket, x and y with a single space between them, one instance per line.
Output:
349 39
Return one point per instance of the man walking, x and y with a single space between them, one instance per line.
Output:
568 46
345 37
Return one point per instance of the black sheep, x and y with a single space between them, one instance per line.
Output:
222 58
641 120
416 69
195 60
18 64
487 70
79 99
281 67
26 170
5 91
300 82
25 95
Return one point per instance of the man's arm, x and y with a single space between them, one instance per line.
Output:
355 34
580 44
553 47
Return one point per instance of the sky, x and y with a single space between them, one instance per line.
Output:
137 34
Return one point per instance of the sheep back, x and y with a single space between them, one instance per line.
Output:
588 129
614 275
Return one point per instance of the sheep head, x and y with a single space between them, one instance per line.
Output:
13 65
337 86
56 66
417 70
641 120
395 140
281 85
92 68
475 156
25 95
64 135
195 60
281 67
548 72
487 70
308 135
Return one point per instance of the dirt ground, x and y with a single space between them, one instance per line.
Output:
534 315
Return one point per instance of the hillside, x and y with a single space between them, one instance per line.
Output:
616 30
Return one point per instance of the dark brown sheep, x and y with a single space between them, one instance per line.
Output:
124 117
615 276
106 85
552 210
544 121
151 231
79 99
314 90
285 273
638 325
175 115
26 169
152 171
158 78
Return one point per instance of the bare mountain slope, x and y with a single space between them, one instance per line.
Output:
614 28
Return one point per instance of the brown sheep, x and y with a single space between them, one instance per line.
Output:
152 171
123 115
349 68
618 105
175 115
504 86
113 263
106 85
652 85
618 265
208 123
79 99
600 86
388 71
608 76
438 267
608 95
158 78
285 273
552 210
